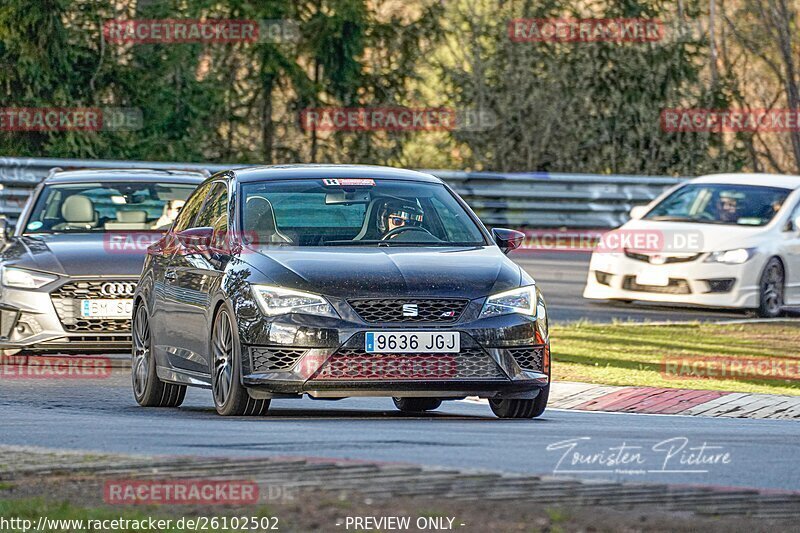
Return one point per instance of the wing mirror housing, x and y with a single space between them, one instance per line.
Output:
199 238
796 223
638 211
507 239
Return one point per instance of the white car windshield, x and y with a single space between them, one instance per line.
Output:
715 203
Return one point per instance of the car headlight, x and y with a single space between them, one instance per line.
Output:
522 301
275 301
731 257
24 279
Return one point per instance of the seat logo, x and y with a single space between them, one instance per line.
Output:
114 288
410 310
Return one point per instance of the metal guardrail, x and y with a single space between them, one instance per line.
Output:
522 200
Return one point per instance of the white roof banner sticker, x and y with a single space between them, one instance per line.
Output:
342 182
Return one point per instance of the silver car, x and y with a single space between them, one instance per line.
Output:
68 272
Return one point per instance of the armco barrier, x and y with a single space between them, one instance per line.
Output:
522 200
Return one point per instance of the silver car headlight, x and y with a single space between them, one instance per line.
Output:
731 257
522 301
274 301
19 278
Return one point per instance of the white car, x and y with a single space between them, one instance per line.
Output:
728 240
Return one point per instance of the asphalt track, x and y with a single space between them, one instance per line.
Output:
562 275
101 415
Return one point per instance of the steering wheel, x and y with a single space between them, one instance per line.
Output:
706 216
403 229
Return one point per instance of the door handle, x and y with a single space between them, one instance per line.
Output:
170 275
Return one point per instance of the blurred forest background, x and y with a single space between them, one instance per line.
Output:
590 107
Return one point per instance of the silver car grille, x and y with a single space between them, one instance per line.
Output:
66 300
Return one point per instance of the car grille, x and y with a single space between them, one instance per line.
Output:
720 284
675 286
274 358
529 357
665 259
429 310
66 303
470 363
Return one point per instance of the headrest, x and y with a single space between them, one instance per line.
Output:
131 216
78 209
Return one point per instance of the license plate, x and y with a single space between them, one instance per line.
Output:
413 342
655 279
110 308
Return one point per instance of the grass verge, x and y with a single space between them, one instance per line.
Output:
635 355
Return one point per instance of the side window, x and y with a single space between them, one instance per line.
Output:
215 211
454 227
794 217
190 210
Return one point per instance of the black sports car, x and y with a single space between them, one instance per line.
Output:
337 281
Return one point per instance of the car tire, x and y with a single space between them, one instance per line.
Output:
148 389
507 408
771 286
230 396
416 405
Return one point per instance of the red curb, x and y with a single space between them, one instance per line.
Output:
639 402
669 398
650 400
600 403
683 405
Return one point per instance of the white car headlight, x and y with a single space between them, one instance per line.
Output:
522 301
731 257
275 301
24 279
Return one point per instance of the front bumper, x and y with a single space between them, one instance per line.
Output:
614 276
30 322
506 356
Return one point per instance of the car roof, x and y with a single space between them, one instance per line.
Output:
192 177
317 171
764 180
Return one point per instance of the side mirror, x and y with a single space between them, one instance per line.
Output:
508 239
199 238
638 211
796 223
4 233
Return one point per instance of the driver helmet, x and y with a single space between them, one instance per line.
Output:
404 213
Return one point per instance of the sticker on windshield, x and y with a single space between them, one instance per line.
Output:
33 226
351 182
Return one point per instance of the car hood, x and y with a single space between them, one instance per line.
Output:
710 237
379 272
78 254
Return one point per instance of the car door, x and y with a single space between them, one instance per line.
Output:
196 272
792 244
166 312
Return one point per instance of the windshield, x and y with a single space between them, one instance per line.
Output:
355 212
714 203
99 207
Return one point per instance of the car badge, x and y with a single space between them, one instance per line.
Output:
410 310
